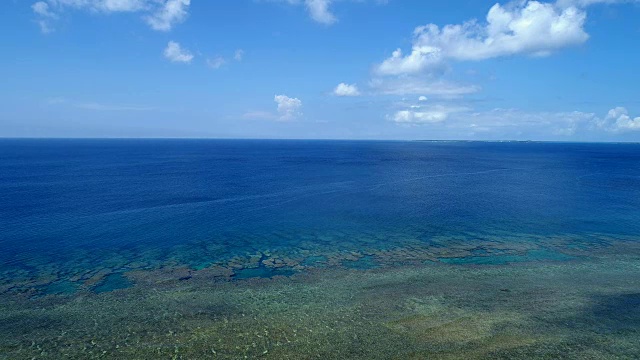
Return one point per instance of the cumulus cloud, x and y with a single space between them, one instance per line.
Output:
161 15
618 120
419 117
175 53
288 108
522 27
346 90
422 98
420 58
528 27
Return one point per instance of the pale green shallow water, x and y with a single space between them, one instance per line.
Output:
586 308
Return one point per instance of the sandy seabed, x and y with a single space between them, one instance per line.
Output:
582 309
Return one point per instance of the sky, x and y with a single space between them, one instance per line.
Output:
564 70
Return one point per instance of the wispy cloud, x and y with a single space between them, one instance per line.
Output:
96 105
260 115
110 107
321 11
160 15
238 55
420 86
216 62
45 16
170 13
514 123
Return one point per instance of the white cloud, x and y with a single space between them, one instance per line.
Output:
521 27
423 115
510 123
422 98
175 53
42 8
216 62
161 15
585 3
462 122
420 58
420 117
505 122
239 55
530 27
288 108
618 120
346 90
319 11
171 13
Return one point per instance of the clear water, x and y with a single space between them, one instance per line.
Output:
96 217
61 196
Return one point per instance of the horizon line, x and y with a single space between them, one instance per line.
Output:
322 139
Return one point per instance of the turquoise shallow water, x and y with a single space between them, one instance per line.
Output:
123 230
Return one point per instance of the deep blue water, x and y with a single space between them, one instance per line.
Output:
59 197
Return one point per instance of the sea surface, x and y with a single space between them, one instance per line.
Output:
449 243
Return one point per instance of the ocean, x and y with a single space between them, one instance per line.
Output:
429 249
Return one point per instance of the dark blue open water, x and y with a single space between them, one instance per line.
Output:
69 205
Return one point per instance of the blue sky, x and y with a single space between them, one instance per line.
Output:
332 69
